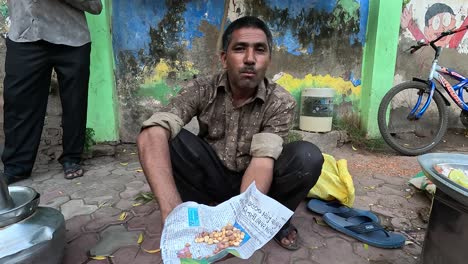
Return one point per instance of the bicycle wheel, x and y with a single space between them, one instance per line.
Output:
409 136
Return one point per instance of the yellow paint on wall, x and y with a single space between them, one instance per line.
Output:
155 83
161 71
342 87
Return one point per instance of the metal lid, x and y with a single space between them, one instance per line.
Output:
25 201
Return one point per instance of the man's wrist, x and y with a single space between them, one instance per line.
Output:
166 211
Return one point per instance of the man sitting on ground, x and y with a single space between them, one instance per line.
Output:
244 119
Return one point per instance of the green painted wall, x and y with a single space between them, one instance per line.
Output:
102 101
380 52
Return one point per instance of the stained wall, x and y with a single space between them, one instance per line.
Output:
159 45
424 20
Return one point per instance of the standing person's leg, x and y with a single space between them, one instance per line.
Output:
72 67
296 171
199 174
25 92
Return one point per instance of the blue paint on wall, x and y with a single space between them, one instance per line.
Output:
295 7
298 9
207 10
289 42
363 14
353 80
131 21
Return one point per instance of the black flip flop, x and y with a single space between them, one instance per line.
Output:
293 246
72 170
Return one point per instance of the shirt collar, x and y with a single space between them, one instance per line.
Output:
261 89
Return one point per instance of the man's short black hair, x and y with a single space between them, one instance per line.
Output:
246 22
436 9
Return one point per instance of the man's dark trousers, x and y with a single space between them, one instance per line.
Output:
28 69
201 177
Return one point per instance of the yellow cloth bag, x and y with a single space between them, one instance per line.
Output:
335 182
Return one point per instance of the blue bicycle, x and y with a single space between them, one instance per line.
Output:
408 120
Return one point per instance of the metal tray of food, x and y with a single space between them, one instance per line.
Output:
431 165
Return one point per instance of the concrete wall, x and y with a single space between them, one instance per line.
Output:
158 45
423 19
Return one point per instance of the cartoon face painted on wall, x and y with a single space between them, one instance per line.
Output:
439 18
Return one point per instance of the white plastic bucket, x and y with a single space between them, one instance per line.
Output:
316 109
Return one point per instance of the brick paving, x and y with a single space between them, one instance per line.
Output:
93 206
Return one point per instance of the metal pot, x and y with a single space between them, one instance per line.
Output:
29 234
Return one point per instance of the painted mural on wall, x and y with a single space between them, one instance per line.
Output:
431 18
424 20
158 45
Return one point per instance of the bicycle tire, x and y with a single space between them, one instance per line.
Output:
388 126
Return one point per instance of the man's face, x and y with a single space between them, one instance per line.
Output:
247 58
438 24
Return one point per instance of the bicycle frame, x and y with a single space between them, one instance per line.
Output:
455 92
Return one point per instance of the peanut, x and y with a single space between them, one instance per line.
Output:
227 236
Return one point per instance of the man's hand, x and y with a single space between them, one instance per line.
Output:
153 149
259 170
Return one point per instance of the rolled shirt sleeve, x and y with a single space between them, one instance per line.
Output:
169 121
266 145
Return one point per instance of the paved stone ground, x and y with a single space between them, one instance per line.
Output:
93 206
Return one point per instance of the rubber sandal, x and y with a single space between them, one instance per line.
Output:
284 233
322 207
364 229
72 170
